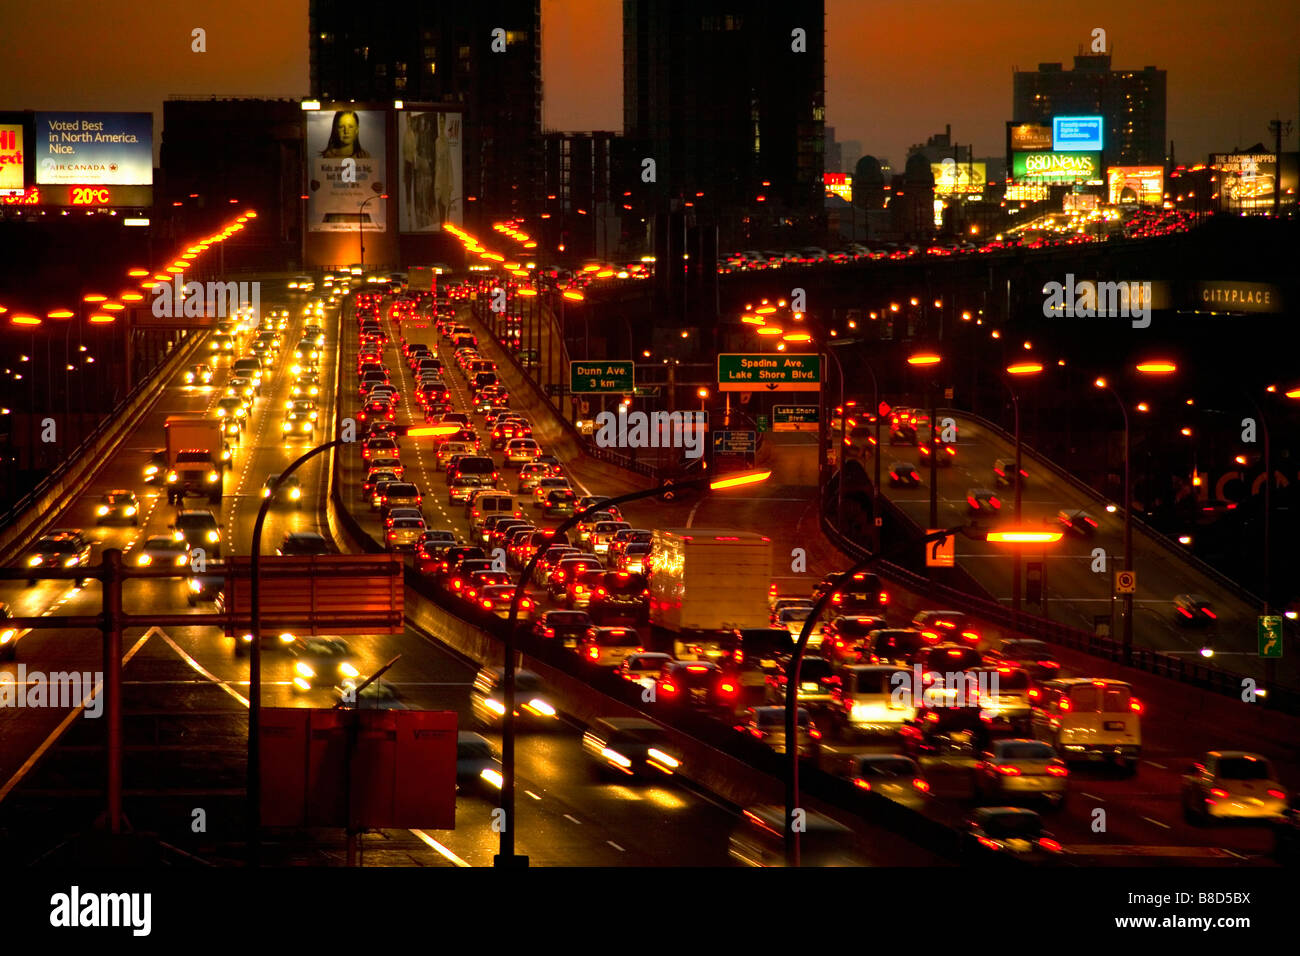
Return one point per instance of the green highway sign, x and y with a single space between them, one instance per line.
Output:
599 377
794 418
1268 630
772 372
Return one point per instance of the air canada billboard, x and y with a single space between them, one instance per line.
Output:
93 149
1051 167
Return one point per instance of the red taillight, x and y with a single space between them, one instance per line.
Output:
1216 792
1065 705
600 592
1277 794
920 784
1049 845
884 597
861 784
487 603
1007 771
1210 614
525 603
971 636
815 734
1184 612
727 687
550 632
973 502
593 653
1058 770
668 687
991 844
1135 705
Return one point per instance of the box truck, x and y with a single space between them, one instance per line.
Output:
194 465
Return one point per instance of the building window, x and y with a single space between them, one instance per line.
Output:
819 114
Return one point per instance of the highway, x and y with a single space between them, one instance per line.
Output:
567 817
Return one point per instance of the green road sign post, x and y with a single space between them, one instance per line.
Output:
1268 630
772 372
595 378
795 418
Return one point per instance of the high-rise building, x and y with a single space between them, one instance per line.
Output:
1132 102
485 56
728 98
579 193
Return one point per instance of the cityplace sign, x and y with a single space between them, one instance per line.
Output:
1047 167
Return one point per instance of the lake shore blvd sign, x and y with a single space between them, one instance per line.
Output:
772 372
590 378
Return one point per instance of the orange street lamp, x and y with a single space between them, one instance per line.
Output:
1156 367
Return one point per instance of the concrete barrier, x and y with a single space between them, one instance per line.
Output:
20 532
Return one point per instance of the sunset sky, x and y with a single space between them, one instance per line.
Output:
895 72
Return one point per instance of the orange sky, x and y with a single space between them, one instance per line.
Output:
896 71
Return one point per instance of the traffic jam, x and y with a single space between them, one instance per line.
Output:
996 737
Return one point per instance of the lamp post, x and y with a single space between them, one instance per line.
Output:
929 360
1128 522
975 533
506 856
1019 369
361 231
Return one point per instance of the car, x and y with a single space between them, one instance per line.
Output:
431 547
817 682
1011 832
644 668
200 530
587 525
568 570
635 558
162 551
199 374
767 725
622 539
478 765
846 639
284 490
246 389
520 451
1016 768
303 543
1077 522
497 599
608 647
903 475
1194 610
547 484
404 533
778 604
758 839
487 699
233 409
863 593
375 695
793 618
399 494
946 456
462 488
118 505
551 555
620 595
603 533
939 626
386 463
1090 719
449 450
320 661
1232 784
1004 472
531 475
895 645
896 777
630 747
1008 700
867 700
155 470
1034 656
698 685
376 408
564 627
983 501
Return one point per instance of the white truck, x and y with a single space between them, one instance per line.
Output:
706 582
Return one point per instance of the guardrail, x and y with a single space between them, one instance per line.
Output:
20 524
1184 670
1173 550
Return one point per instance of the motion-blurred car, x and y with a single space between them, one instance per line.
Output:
865 701
896 777
303 543
759 840
630 747
564 627
200 374
155 470
1009 831
1194 610
118 505
846 639
478 766
376 695
903 475
1021 769
644 668
320 662
938 626
1033 655
1232 784
946 456
983 501
162 551
1077 522
532 708
1004 472
767 725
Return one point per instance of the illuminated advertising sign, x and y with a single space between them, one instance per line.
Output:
838 184
1027 192
1141 185
1230 296
1056 167
430 176
346 171
11 161
1246 180
952 178
1076 134
1029 137
1080 202
94 149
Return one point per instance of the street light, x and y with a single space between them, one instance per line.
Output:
361 231
506 856
1021 369
931 360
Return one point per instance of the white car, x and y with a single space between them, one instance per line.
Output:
1232 784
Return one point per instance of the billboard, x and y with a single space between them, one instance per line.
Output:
94 149
1029 137
1076 134
952 178
838 184
345 168
11 160
1246 180
430 175
1143 185
1056 167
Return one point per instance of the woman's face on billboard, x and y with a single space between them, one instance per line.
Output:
347 129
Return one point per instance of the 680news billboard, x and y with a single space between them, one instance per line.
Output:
94 149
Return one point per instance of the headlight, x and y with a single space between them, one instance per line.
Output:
287 427
71 562
221 413
34 561
347 670
541 707
213 476
302 683
304 669
266 492
144 559
494 705
195 585
295 493
286 637
101 510
492 776
171 477
150 470
181 560
131 510
178 536
663 758
7 636
214 537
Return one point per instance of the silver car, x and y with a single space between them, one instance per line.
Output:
1021 768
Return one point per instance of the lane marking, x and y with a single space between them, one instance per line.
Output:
1091 796
571 818
616 846
533 795
444 851
196 666
1157 823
